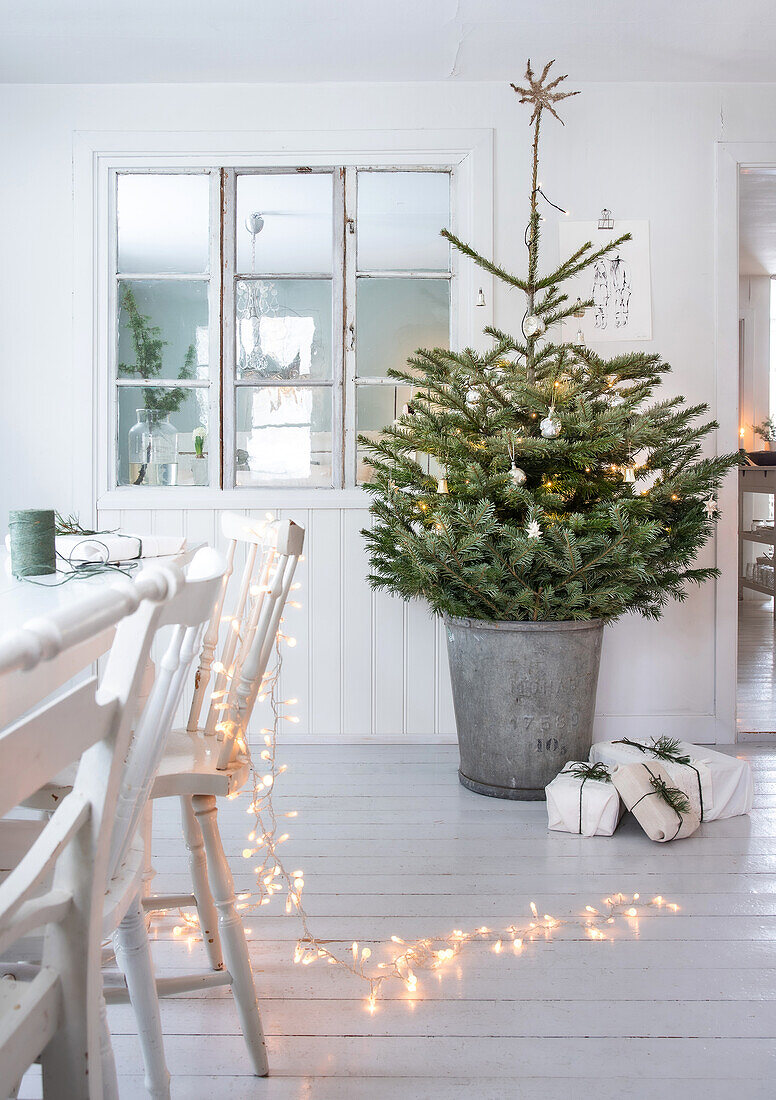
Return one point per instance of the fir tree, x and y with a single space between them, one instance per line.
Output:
563 493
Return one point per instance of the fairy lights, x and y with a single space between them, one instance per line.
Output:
405 959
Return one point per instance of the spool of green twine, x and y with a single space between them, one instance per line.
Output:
32 542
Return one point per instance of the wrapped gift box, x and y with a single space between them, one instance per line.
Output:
577 803
717 785
662 809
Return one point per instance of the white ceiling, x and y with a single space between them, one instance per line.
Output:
109 41
757 221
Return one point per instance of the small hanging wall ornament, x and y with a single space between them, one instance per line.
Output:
550 426
532 325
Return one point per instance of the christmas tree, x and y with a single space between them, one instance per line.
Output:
563 492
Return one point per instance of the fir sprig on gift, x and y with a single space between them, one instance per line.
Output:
583 771
676 799
602 517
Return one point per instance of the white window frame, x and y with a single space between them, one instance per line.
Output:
97 156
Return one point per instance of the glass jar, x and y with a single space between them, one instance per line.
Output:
153 449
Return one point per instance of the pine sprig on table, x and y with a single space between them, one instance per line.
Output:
70 525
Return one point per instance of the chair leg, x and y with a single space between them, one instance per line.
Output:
232 932
206 909
110 1086
133 954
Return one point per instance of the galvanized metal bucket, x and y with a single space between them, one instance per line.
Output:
524 697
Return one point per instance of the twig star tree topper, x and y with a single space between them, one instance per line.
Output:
563 492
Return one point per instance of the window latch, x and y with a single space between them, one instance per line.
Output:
351 224
352 331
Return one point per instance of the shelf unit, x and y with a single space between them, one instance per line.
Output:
754 479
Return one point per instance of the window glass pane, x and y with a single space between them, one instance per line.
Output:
156 443
377 407
285 223
283 328
163 223
163 329
400 215
395 317
283 435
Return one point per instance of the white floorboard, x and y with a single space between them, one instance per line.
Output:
678 1004
756 693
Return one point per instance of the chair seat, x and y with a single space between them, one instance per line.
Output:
17 837
188 767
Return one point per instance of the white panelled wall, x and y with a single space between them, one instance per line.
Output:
367 667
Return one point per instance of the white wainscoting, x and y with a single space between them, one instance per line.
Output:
369 667
366 666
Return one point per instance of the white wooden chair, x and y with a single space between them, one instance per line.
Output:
116 865
209 759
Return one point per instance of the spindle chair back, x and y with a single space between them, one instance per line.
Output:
272 553
58 885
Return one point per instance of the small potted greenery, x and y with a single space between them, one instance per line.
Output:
199 465
766 430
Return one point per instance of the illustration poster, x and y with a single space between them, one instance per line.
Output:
618 284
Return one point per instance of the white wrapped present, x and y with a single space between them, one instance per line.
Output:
717 785
663 810
582 800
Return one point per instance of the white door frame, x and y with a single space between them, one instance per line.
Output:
731 157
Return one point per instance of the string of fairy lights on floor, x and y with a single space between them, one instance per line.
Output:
410 957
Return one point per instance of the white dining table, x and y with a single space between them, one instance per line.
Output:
22 600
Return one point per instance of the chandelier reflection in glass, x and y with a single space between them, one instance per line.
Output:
274 341
254 301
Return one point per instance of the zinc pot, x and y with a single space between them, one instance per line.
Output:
524 698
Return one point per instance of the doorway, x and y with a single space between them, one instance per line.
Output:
756 652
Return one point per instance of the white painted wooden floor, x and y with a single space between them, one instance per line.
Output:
682 1005
756 695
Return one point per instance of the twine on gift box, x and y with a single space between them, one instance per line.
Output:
667 748
583 771
676 799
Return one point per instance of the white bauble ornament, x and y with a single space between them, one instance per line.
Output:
550 426
517 476
472 396
615 399
533 325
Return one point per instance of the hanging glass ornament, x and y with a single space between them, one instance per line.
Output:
579 309
615 399
550 426
579 339
442 486
517 476
472 396
533 325
629 473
